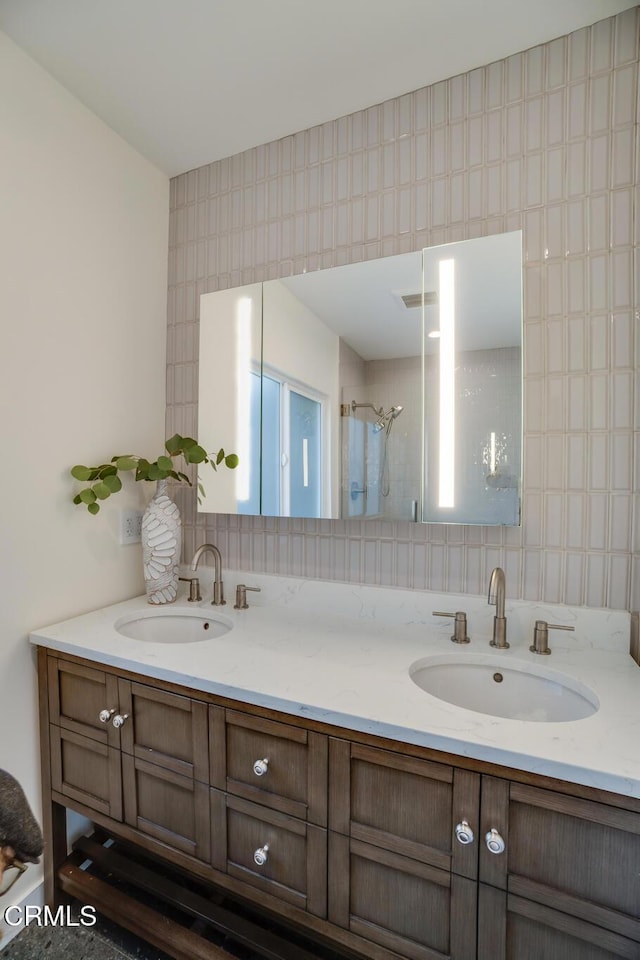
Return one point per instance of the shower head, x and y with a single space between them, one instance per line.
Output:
386 419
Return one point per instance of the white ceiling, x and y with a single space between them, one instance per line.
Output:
362 302
187 82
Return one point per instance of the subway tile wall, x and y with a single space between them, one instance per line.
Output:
545 141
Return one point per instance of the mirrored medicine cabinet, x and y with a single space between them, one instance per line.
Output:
389 389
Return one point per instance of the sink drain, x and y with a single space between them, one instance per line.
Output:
498 677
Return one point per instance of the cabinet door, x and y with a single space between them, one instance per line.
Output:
293 853
274 764
78 695
167 806
164 729
86 771
513 928
405 805
564 853
403 905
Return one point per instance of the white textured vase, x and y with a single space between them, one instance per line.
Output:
161 545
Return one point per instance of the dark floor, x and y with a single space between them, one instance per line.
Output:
104 941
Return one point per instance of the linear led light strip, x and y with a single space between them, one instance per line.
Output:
305 462
447 450
243 395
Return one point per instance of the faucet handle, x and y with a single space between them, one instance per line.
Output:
460 625
194 588
241 596
541 636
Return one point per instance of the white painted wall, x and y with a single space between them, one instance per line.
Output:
83 262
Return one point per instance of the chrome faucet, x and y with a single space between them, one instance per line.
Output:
496 597
218 586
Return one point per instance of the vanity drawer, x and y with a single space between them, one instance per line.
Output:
411 909
78 695
566 853
273 764
293 853
403 804
166 806
165 729
86 771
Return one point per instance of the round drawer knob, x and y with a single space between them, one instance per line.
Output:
261 854
464 833
260 767
494 842
119 719
105 715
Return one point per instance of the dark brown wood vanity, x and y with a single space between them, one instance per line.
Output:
357 841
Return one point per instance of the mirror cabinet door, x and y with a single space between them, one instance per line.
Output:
473 381
387 389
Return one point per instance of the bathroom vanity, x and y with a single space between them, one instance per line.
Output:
291 761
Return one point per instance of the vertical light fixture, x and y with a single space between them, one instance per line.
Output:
492 453
446 299
243 397
305 462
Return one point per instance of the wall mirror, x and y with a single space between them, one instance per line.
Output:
388 389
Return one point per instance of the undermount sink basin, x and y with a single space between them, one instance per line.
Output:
493 686
172 626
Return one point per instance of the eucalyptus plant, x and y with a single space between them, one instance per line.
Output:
104 480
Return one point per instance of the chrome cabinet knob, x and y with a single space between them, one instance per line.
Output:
119 719
260 767
494 842
464 833
261 854
105 715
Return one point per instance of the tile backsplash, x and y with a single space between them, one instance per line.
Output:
544 141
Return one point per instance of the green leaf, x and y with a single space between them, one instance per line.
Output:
128 462
93 508
80 473
183 476
113 482
77 499
107 470
231 460
174 444
142 470
154 472
87 496
165 463
195 454
187 442
201 490
220 456
213 465
101 490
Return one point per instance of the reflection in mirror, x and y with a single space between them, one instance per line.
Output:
321 384
300 404
473 381
360 357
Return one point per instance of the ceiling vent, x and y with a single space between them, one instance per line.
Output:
412 300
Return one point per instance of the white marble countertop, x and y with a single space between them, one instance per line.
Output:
340 654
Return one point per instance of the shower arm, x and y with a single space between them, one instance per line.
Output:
379 411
